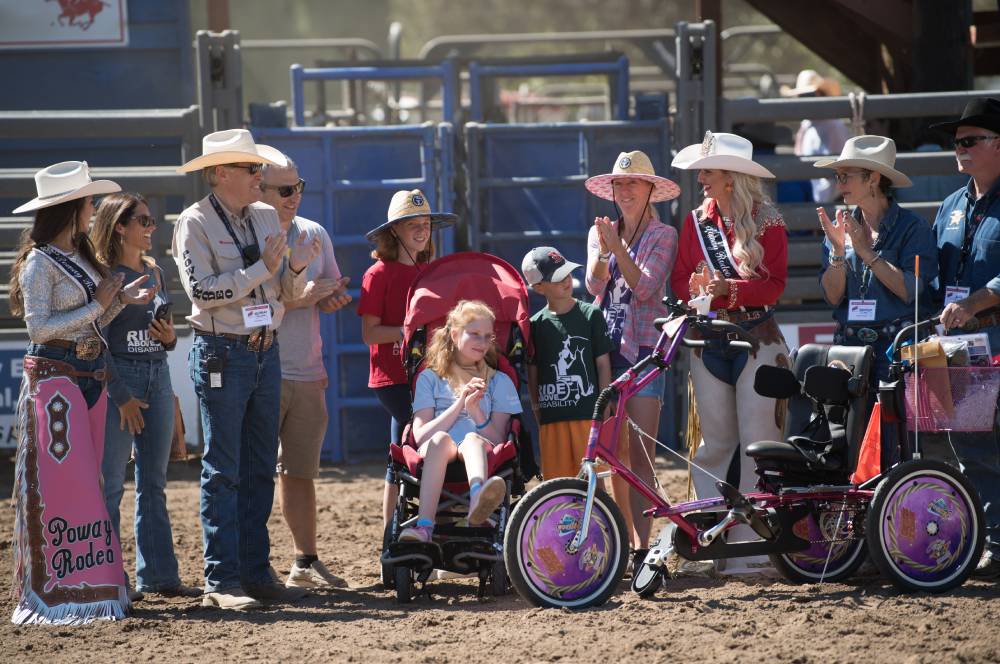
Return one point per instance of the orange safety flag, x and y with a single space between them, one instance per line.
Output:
870 456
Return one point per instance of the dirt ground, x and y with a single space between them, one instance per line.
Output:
690 620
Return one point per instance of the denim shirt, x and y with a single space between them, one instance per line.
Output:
982 264
902 236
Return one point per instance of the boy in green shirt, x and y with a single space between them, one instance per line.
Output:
571 364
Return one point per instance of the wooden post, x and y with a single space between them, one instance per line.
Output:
711 10
218 15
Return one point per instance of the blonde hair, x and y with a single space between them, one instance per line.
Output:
746 194
441 351
387 246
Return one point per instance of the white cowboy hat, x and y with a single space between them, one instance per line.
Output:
809 81
232 146
637 165
65 181
725 152
409 204
875 153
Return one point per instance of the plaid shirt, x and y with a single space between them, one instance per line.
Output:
656 259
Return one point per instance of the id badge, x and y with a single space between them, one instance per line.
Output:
257 315
955 293
215 380
861 310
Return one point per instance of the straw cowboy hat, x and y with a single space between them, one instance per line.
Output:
876 153
810 82
232 146
65 181
409 204
637 165
725 152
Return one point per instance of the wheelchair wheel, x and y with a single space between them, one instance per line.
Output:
499 584
648 579
387 573
404 584
836 552
542 524
925 526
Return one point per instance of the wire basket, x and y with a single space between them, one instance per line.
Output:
953 399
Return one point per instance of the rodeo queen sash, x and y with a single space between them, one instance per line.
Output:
67 558
715 247
78 275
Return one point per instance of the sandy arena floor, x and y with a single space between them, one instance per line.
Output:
691 620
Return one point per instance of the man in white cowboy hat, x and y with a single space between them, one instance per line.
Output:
231 254
303 414
818 137
968 234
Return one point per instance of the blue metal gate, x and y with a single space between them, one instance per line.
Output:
351 173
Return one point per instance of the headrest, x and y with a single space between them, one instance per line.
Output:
776 382
828 385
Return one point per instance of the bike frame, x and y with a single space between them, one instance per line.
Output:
628 385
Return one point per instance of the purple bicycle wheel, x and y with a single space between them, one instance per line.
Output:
541 527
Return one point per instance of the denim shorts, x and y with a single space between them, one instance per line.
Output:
655 389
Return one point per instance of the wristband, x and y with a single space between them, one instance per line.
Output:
604 258
480 427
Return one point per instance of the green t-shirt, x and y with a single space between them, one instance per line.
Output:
566 348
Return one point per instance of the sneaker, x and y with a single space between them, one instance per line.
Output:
314 576
749 566
233 599
483 504
274 592
416 534
134 595
697 569
988 566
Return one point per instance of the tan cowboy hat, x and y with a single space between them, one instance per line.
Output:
65 181
725 152
232 146
876 153
409 204
809 82
637 165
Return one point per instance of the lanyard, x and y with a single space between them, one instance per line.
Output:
865 280
239 245
971 228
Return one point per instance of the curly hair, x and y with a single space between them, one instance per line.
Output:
441 350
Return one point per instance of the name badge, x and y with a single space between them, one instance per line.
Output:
215 380
257 315
955 293
861 310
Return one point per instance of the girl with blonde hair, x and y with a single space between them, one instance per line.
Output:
461 408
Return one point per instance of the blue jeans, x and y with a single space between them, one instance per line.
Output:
90 387
149 381
655 389
240 425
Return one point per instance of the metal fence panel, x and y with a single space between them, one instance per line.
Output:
351 173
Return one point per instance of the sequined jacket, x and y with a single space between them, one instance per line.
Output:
55 307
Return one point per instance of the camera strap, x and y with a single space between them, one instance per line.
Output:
236 240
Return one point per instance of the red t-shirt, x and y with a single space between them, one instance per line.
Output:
383 294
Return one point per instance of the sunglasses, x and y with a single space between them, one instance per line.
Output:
144 220
252 169
286 190
970 141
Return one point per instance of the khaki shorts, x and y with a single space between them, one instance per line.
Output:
301 427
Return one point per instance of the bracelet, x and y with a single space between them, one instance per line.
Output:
604 258
480 427
834 258
874 260
837 265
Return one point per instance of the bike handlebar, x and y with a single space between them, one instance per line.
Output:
710 327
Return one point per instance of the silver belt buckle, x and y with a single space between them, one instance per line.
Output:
867 335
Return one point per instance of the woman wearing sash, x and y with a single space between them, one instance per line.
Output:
628 261
733 248
67 559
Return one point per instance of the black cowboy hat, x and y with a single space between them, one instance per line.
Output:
983 113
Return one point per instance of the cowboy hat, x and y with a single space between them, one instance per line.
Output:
725 152
983 113
409 204
876 153
65 181
231 146
810 82
637 165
